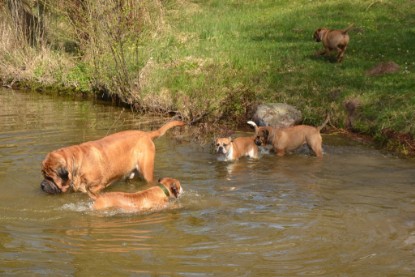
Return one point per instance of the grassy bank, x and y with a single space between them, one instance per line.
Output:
215 60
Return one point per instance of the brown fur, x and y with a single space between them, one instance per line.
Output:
94 165
290 138
333 40
233 149
151 198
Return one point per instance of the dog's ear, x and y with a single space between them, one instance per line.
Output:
266 134
317 35
174 189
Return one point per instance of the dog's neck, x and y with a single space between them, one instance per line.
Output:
165 190
229 154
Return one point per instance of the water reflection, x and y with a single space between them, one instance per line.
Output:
351 214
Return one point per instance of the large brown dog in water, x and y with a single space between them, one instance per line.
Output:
94 165
155 197
290 138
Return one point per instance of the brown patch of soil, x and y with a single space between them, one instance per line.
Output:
383 68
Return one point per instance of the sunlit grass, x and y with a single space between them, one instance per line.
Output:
267 47
215 59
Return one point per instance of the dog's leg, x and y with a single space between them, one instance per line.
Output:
147 167
340 50
280 152
315 145
94 189
318 151
323 52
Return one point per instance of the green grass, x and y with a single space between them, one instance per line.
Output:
217 58
266 47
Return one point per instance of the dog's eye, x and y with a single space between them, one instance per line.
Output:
225 144
217 144
63 174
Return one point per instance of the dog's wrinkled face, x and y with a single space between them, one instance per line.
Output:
173 185
222 145
56 175
261 137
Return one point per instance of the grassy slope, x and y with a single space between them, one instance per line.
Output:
220 57
265 47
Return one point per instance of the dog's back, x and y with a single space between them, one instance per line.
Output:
246 146
143 200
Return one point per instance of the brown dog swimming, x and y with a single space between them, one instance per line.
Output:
290 138
156 197
333 40
233 149
94 165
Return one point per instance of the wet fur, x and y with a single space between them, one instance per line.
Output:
94 165
234 149
152 198
288 139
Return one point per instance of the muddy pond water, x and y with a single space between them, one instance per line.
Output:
351 214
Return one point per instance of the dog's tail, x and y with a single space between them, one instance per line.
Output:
253 124
319 128
344 31
160 132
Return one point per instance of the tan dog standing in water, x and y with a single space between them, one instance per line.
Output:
153 198
290 138
94 165
333 40
233 149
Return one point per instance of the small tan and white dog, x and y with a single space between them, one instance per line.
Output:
233 149
156 197
333 40
290 138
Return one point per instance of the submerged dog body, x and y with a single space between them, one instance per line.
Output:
153 198
233 149
94 165
290 138
333 40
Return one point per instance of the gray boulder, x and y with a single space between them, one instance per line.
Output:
277 115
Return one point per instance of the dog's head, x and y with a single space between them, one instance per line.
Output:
318 34
261 136
222 145
56 175
173 185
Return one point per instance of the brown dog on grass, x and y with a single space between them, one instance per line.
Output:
233 149
156 197
290 138
333 40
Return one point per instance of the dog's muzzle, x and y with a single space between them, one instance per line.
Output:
258 141
221 150
49 187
